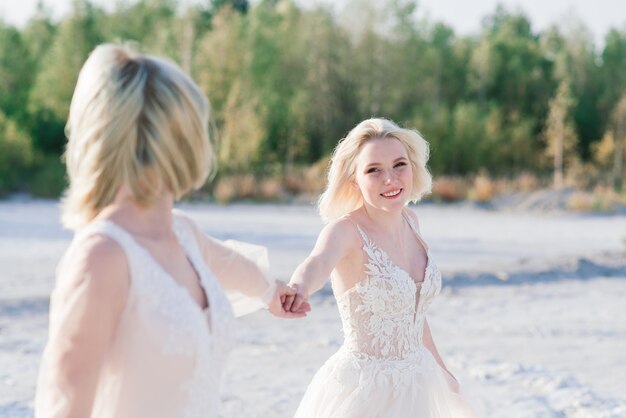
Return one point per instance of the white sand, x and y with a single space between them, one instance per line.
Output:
549 341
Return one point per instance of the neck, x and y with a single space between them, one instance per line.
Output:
391 222
152 221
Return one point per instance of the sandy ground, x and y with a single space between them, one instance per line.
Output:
532 313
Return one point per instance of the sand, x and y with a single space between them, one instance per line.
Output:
532 314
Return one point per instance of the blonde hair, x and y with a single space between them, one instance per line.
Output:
340 197
137 121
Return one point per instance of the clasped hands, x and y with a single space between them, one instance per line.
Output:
289 301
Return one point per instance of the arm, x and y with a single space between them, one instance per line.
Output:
90 296
235 272
334 242
429 343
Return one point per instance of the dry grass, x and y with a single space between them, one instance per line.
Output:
231 188
270 189
483 189
449 189
601 199
308 182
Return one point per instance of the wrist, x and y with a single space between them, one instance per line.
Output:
269 293
301 288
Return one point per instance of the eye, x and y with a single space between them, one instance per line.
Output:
400 164
371 170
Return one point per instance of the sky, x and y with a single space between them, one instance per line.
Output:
463 15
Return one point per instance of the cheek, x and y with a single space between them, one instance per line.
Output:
365 183
407 176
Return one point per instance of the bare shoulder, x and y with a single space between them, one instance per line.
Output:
202 238
187 221
341 235
413 216
97 263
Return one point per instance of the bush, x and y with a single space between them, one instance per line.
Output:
48 178
16 155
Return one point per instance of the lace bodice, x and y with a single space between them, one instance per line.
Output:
383 314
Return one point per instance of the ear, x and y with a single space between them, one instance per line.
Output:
354 185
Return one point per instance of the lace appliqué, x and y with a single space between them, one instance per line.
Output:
383 319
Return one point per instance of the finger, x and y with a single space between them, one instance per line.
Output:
288 290
288 302
297 302
305 307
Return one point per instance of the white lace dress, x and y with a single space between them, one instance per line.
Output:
383 370
167 355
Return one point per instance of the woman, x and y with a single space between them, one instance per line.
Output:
139 321
383 277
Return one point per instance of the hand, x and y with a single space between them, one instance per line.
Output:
282 293
452 382
297 298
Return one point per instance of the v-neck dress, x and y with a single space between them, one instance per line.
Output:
167 355
383 369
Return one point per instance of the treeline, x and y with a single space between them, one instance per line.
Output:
286 82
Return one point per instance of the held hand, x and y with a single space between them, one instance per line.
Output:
297 299
282 293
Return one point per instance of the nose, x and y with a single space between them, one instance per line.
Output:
388 177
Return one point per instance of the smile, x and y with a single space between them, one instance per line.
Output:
392 193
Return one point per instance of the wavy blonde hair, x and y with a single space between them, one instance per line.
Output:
340 197
137 121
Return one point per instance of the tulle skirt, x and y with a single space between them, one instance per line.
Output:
414 387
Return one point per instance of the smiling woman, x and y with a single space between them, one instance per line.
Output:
384 279
341 196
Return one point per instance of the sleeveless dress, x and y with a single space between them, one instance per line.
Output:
167 355
383 370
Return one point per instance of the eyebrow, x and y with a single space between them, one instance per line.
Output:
394 161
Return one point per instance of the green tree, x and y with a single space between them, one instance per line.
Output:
619 137
16 155
52 91
15 72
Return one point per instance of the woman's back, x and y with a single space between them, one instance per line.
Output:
167 353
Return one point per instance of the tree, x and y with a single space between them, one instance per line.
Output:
15 72
52 91
560 131
619 137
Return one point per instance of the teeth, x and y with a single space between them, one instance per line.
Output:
391 194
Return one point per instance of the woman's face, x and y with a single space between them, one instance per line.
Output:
384 174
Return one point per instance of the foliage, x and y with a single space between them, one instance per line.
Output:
286 82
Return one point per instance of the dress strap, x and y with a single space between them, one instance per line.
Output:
364 237
413 226
109 229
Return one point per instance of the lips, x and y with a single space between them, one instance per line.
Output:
391 193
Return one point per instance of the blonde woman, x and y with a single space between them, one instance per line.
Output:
384 278
139 321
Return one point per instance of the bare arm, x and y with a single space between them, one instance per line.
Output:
429 343
237 273
334 242
234 271
89 298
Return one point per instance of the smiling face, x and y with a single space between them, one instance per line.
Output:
384 174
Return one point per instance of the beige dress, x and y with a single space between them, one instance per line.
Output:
167 355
